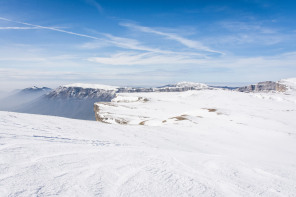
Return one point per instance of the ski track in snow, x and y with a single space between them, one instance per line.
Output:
252 155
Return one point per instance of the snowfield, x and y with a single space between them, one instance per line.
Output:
202 108
194 143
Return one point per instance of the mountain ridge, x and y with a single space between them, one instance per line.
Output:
77 100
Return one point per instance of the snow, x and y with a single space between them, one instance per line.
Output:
129 98
92 86
200 107
228 144
191 84
290 83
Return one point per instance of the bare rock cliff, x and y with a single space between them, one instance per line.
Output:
265 86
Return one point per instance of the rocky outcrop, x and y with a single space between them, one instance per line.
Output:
97 114
265 86
81 93
97 110
106 117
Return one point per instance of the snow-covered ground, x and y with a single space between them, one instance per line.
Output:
202 108
194 143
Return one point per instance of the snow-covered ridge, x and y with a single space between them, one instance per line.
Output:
35 89
279 86
290 83
181 86
283 85
185 84
92 86
76 92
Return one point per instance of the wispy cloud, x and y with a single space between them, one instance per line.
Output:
20 28
128 43
95 4
136 53
184 41
248 39
246 34
148 58
233 62
50 28
257 27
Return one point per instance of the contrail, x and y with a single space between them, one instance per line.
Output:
20 28
50 28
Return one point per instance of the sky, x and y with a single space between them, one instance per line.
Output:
145 42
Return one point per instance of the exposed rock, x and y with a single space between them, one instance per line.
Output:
265 86
97 110
81 93
179 118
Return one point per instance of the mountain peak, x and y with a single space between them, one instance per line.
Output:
35 89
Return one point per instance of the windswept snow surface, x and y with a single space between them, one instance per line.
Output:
205 107
229 144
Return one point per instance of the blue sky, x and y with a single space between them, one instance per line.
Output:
145 42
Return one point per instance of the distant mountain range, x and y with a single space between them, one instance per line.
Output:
21 97
69 101
77 100
179 87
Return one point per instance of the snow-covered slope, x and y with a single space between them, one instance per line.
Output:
193 143
289 83
246 153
